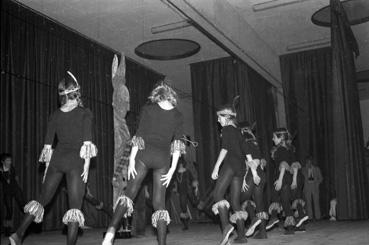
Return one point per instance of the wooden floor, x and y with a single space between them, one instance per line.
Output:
323 232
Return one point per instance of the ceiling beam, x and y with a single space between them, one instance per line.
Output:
221 22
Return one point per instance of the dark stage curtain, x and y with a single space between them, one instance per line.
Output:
322 106
351 177
35 54
307 86
217 82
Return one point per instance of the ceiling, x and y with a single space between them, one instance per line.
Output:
124 24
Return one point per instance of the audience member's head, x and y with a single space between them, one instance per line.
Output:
6 160
309 161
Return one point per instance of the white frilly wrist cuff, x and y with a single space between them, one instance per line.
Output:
88 150
46 154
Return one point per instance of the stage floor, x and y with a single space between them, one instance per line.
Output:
323 232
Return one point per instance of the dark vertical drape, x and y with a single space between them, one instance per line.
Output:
307 87
217 82
351 178
35 54
322 106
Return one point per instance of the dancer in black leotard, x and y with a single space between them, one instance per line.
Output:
72 124
252 195
288 184
157 138
233 154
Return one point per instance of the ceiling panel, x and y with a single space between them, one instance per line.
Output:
124 24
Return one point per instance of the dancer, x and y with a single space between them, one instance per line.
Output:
184 181
158 136
233 155
253 185
298 202
286 180
72 124
11 189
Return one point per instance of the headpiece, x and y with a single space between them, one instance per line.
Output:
193 143
68 91
226 112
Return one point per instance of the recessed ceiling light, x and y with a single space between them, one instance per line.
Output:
167 49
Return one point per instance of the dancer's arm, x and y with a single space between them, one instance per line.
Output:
295 168
138 143
49 138
51 130
253 159
132 162
282 169
177 148
88 150
166 178
281 157
221 156
253 166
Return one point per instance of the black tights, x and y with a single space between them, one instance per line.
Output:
255 192
228 178
297 196
283 196
75 186
76 191
297 193
185 196
158 197
183 201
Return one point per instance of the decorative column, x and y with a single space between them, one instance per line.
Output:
122 136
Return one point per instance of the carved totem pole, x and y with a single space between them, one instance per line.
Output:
122 136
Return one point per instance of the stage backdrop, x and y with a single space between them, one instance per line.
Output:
216 82
308 87
35 54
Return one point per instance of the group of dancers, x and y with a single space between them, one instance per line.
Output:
158 145
247 182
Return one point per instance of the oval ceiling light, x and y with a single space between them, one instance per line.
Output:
357 12
167 49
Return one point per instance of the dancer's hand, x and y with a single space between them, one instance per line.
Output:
132 169
45 172
293 185
214 175
245 187
86 169
278 185
167 177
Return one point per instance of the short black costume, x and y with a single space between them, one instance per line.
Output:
72 129
283 154
158 128
157 137
233 142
